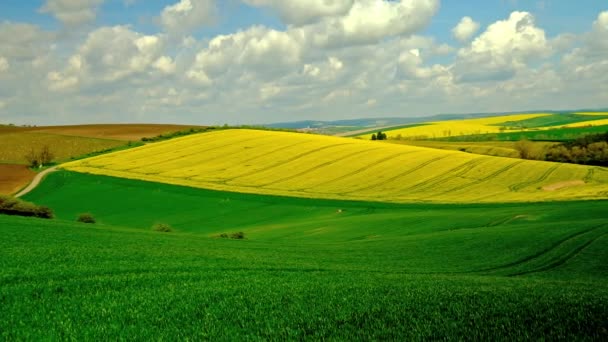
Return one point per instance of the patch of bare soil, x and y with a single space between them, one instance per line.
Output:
14 177
563 185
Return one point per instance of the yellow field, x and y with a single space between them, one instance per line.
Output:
306 165
451 128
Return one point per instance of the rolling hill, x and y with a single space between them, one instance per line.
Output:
305 165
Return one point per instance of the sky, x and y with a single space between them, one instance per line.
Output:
263 61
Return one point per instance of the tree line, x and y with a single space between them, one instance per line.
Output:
590 149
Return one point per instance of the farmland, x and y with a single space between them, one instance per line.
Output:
65 143
440 129
13 178
313 269
304 165
491 127
342 239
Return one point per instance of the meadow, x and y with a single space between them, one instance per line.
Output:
312 166
308 268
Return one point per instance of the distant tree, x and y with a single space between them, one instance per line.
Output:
39 158
374 137
524 148
381 136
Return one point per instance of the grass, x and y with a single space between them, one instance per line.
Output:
308 269
552 120
304 165
557 134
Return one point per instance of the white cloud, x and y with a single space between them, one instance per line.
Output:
258 49
369 21
187 15
24 41
505 46
110 54
72 12
465 29
411 66
4 65
299 12
165 64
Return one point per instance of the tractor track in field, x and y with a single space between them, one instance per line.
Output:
185 156
555 263
397 176
242 161
36 181
544 176
283 162
545 251
363 168
328 163
458 171
483 179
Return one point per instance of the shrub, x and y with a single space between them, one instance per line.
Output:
162 227
86 218
237 236
14 206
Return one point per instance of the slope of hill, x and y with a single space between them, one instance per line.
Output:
308 268
306 165
489 126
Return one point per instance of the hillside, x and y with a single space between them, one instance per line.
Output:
306 165
490 126
307 269
65 143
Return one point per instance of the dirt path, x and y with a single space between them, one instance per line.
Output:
36 181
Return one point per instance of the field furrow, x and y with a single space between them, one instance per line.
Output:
306 165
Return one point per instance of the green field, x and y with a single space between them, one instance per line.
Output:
308 269
552 120
558 134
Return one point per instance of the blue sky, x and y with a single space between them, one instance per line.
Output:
258 61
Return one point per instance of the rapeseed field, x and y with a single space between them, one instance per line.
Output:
313 166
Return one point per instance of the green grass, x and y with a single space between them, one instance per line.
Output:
551 120
558 134
308 269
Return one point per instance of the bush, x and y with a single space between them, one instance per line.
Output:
235 236
86 218
14 206
238 235
162 227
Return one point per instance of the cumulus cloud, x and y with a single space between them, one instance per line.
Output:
187 15
299 12
23 41
72 12
412 66
3 64
369 21
259 49
110 54
465 29
504 47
